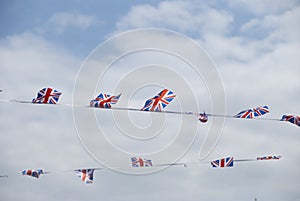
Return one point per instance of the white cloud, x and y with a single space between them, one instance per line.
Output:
183 16
255 70
33 136
60 22
259 64
282 27
166 13
214 27
265 7
29 58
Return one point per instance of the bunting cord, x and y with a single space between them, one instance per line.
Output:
244 160
83 172
70 170
171 164
228 116
139 110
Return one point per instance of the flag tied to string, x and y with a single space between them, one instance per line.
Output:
160 101
32 172
223 162
86 175
140 162
104 100
47 96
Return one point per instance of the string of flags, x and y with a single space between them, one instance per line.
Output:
87 175
156 104
221 163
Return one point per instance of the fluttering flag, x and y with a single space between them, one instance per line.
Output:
203 117
140 162
269 158
292 119
160 101
33 172
86 175
47 96
223 162
255 112
104 100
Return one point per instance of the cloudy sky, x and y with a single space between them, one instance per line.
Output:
254 46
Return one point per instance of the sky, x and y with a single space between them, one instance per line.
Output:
249 56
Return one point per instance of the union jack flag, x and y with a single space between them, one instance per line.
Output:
203 117
32 172
47 95
255 112
291 118
86 175
269 158
158 102
140 162
104 100
223 162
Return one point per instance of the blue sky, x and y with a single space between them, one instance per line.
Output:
254 45
20 16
